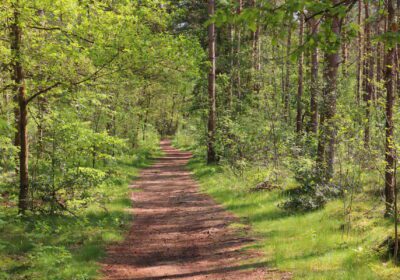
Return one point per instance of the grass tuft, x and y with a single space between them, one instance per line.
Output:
55 247
313 245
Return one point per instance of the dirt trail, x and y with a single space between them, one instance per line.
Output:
179 233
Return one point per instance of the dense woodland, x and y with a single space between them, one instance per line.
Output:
292 103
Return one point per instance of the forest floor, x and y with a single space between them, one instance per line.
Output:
61 246
180 233
326 244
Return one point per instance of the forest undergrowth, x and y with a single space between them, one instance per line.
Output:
333 242
69 245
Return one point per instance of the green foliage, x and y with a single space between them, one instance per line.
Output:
311 197
312 245
100 87
7 149
114 77
66 246
311 194
104 81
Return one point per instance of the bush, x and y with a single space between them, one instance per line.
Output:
311 197
312 194
71 191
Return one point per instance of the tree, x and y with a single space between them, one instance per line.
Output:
359 54
299 117
390 78
327 134
22 113
368 75
286 82
314 88
212 114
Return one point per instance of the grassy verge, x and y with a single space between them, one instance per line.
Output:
314 245
68 247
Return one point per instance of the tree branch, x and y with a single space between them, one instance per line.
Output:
62 31
351 4
91 76
40 92
6 87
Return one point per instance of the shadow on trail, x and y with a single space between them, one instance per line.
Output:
208 272
180 233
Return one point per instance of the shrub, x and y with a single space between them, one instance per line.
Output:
311 197
312 194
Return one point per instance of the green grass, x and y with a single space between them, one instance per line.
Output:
65 247
311 245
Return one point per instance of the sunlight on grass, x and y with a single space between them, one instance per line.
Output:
55 247
314 245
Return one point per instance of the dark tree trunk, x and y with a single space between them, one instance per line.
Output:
212 117
390 76
369 75
22 119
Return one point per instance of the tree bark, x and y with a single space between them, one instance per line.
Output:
212 117
379 54
287 75
390 76
314 80
299 117
369 75
327 135
232 65
238 54
256 61
22 112
360 55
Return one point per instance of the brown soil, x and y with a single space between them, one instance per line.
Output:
180 233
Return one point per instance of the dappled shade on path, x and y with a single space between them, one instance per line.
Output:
180 233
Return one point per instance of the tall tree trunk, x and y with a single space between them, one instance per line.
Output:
327 135
212 117
379 50
232 65
398 50
369 75
360 54
238 53
314 79
390 76
256 61
22 119
287 75
299 117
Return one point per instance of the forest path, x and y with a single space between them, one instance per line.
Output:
180 233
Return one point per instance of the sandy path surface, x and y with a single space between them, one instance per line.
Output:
180 233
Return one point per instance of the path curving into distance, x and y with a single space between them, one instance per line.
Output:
180 233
